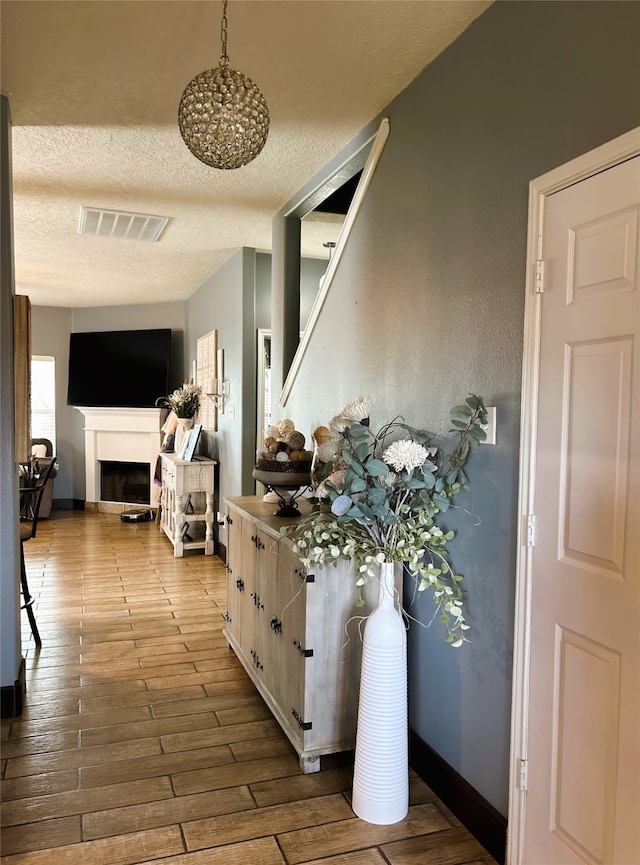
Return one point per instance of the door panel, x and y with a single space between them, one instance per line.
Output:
603 255
586 716
584 700
596 455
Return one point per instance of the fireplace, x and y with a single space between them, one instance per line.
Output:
124 482
130 437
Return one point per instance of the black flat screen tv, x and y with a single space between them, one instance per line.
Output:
119 368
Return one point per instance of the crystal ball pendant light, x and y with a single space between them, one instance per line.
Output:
223 116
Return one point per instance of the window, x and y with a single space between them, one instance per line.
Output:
43 398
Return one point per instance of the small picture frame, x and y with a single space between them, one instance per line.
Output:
193 442
184 444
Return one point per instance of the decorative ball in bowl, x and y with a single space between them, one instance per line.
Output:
282 460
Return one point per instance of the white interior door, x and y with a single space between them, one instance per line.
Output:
581 721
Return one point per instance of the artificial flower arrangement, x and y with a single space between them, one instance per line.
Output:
184 401
378 496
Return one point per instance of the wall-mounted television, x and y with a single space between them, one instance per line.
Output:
119 368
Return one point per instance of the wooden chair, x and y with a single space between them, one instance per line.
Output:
42 449
33 480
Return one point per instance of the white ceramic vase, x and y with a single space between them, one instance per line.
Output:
184 425
381 771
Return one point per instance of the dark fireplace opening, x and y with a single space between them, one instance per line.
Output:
125 482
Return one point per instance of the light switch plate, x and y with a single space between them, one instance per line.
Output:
490 426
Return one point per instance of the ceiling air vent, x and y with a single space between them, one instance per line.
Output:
118 224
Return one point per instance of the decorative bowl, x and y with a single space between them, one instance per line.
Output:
298 476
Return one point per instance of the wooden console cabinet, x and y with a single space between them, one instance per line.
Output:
294 631
186 503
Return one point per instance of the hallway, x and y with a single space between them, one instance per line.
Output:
143 741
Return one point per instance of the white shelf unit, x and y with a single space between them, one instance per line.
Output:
186 503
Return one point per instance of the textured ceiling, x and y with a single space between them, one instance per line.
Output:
94 88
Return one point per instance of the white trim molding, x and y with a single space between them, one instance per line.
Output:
361 190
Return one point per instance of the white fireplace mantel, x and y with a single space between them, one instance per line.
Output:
118 435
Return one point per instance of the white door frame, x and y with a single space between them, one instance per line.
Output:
610 154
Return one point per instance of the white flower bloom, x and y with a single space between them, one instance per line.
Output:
357 410
339 424
405 455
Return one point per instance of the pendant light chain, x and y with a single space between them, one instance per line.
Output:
224 26
223 117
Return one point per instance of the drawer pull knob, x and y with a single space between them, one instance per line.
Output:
276 625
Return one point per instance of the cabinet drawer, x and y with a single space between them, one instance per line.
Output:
195 476
168 474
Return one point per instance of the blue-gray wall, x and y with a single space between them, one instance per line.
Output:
226 302
427 305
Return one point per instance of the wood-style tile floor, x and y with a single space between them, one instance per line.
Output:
143 740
